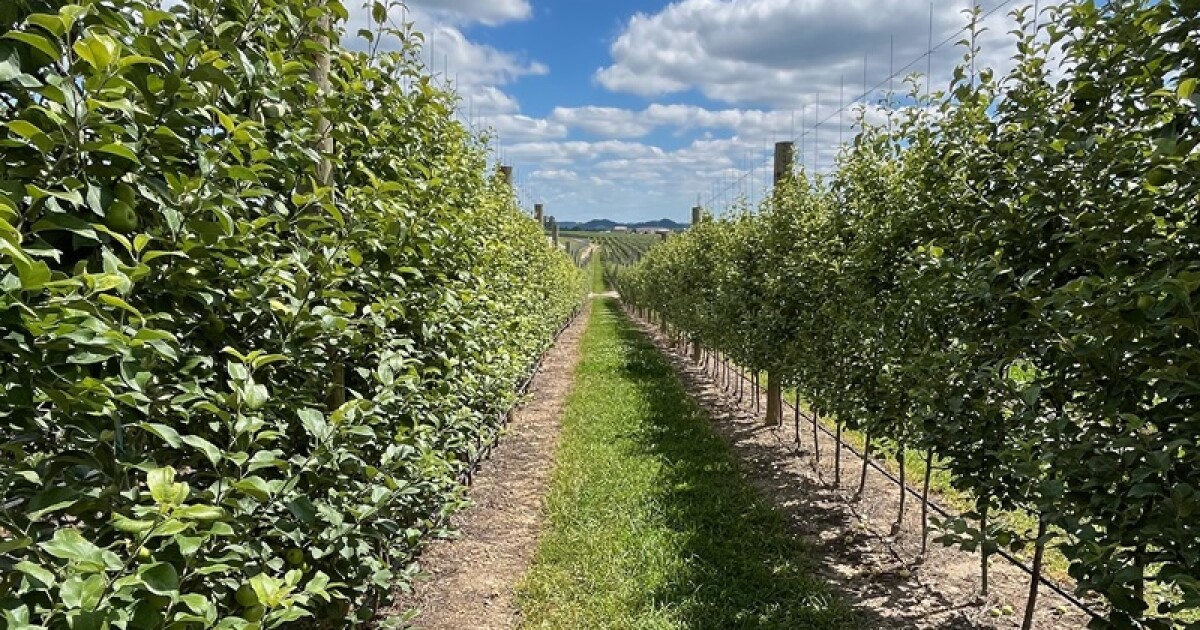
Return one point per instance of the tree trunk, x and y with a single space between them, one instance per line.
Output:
1039 551
837 456
757 398
925 503
816 440
901 459
796 410
983 550
862 479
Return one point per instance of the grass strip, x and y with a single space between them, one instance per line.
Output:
651 525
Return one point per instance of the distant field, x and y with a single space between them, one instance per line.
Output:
619 248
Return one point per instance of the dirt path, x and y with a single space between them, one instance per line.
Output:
470 579
876 571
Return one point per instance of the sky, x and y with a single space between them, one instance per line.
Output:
636 110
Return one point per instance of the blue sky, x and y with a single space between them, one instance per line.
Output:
636 109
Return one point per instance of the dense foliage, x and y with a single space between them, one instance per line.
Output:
237 390
1006 274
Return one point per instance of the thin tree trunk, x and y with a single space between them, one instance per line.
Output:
925 502
983 550
837 456
796 413
862 478
741 384
816 419
1039 550
901 459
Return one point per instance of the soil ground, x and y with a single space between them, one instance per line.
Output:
878 572
469 580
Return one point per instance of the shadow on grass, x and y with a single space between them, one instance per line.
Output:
748 567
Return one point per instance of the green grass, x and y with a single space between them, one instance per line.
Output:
596 271
650 523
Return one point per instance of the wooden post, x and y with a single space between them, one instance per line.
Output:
507 173
539 213
554 231
785 155
697 351
335 397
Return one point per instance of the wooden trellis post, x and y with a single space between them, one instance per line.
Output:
319 74
785 156
539 214
697 350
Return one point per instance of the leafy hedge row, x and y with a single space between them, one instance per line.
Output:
1007 275
234 393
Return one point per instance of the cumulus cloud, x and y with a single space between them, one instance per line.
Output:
519 128
784 52
478 72
490 12
555 175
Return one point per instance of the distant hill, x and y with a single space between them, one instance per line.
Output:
605 225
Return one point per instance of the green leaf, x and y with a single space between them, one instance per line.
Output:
24 129
120 150
52 23
254 486
201 512
1186 88
82 593
117 302
69 544
139 60
98 50
52 500
160 579
168 435
255 395
15 544
314 422
40 574
208 448
161 482
42 44
131 526
271 591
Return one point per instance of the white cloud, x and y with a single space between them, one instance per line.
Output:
483 101
603 121
449 52
784 52
489 12
478 72
555 175
518 128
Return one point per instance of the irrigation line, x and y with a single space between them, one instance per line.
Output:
1051 584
